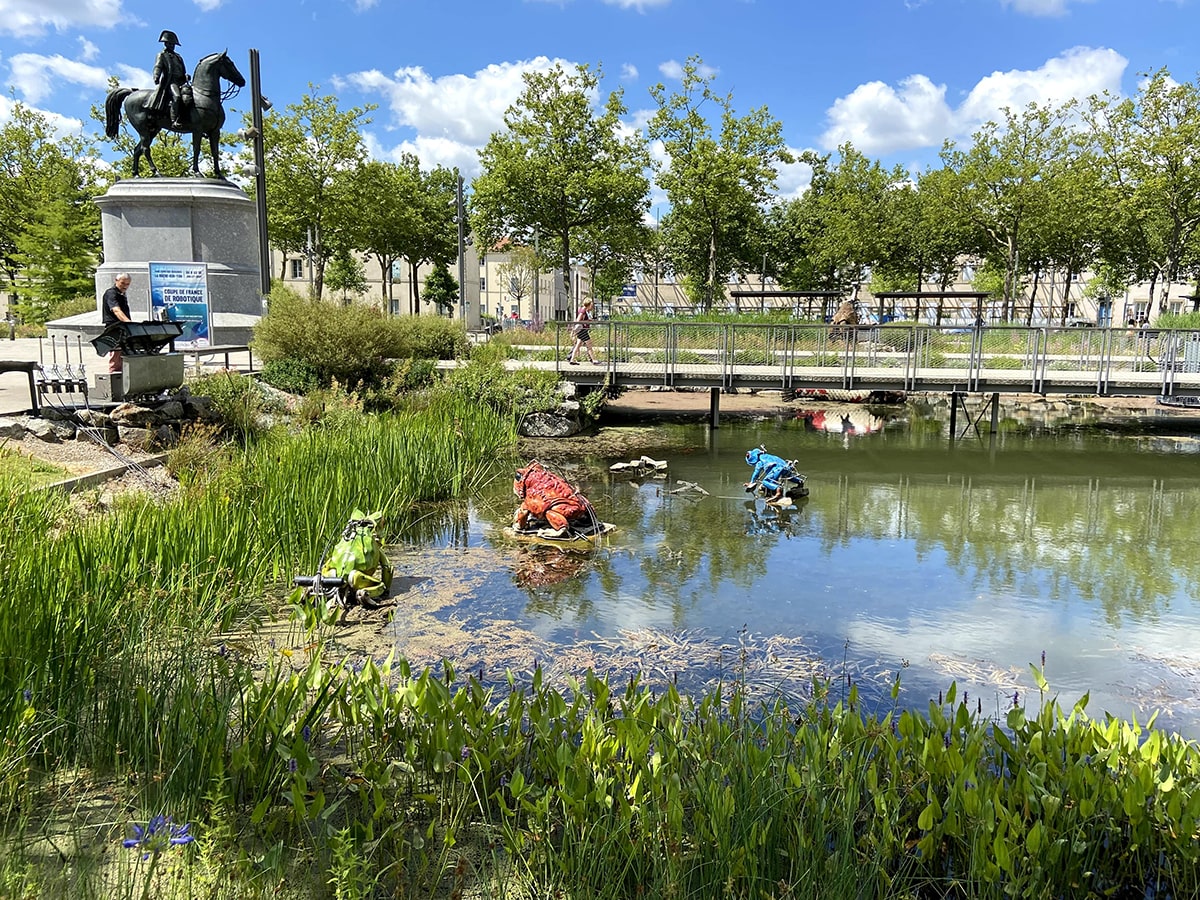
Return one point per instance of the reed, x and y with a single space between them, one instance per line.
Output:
294 770
109 629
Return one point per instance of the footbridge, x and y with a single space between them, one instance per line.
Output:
895 357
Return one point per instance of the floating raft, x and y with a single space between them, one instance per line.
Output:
578 538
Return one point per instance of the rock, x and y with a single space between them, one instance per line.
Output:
94 417
131 415
171 411
11 429
197 407
43 430
549 425
164 437
107 433
136 439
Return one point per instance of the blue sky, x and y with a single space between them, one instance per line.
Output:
895 77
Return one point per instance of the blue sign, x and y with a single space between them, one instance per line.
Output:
629 290
179 293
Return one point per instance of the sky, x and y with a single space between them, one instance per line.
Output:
896 78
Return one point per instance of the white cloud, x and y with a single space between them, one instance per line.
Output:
875 117
673 70
1077 73
794 178
36 77
364 5
208 5
629 72
87 50
639 5
880 119
437 151
60 124
461 109
1042 7
29 18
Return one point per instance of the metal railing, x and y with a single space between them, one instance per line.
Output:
1046 359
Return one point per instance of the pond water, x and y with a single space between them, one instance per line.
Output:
914 557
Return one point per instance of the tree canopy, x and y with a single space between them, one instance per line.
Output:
560 166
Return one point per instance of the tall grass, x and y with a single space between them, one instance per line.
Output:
109 621
303 773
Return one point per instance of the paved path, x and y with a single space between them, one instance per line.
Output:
14 386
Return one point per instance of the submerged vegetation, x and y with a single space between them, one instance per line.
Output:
164 735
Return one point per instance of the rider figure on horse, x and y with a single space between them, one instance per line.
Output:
170 74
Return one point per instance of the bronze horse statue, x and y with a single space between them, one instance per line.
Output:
204 117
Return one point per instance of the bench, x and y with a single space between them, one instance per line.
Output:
219 350
19 365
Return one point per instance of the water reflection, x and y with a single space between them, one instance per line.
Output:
966 560
846 420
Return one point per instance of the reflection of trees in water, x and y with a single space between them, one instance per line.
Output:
1126 545
687 545
1130 548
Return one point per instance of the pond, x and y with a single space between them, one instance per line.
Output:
915 558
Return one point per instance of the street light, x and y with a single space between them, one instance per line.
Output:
257 104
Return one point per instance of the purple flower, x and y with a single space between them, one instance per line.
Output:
464 752
28 695
158 835
306 733
1043 659
293 765
1016 698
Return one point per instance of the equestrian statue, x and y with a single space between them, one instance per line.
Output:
176 104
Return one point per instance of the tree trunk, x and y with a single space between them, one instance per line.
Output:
414 288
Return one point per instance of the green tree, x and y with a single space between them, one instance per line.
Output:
314 151
441 289
716 185
519 275
848 219
1002 181
1146 146
559 166
435 240
345 273
388 199
49 227
58 254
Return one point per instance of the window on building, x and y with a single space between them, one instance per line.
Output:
482 284
297 268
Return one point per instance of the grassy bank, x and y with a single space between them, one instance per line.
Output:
145 709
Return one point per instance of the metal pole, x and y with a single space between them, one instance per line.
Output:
257 103
537 277
462 287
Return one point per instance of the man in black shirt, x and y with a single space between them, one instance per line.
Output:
115 308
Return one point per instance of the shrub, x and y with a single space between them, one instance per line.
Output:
517 393
292 375
429 337
236 399
351 344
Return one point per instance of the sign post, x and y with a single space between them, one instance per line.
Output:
179 293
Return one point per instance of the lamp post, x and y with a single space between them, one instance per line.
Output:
460 215
258 103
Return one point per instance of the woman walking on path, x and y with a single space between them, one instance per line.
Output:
583 334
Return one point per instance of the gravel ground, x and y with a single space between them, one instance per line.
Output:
78 457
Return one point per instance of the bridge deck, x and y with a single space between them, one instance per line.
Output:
914 358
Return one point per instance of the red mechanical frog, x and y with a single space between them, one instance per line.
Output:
547 499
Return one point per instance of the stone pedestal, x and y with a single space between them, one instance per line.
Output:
205 220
